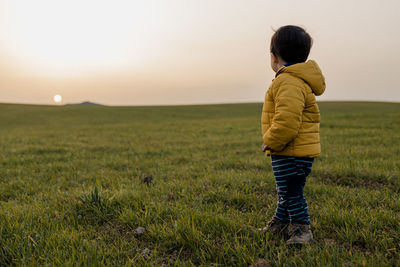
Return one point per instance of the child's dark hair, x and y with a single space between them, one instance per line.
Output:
291 43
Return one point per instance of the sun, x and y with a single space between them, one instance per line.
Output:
57 98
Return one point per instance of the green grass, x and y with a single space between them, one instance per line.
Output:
71 190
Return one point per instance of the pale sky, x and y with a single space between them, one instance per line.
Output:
162 52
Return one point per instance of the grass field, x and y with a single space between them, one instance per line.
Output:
72 190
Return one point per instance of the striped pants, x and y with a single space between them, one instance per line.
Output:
290 176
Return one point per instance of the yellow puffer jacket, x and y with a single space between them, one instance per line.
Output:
290 115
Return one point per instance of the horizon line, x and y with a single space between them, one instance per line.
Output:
90 103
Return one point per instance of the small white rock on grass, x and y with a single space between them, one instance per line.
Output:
140 230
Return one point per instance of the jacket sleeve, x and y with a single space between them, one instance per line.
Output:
289 105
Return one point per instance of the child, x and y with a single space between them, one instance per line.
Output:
290 127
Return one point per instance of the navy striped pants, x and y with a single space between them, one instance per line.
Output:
290 177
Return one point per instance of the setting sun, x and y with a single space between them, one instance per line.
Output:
57 98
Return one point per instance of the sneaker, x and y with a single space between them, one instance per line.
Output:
300 234
275 226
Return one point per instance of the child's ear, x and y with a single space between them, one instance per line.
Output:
274 58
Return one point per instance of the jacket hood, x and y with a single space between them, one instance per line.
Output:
309 72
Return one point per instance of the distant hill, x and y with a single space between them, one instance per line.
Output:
87 103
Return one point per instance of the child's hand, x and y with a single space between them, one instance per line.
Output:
264 147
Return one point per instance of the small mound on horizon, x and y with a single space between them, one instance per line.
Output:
87 103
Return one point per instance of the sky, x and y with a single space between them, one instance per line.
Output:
168 52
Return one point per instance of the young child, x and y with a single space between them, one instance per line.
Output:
290 128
